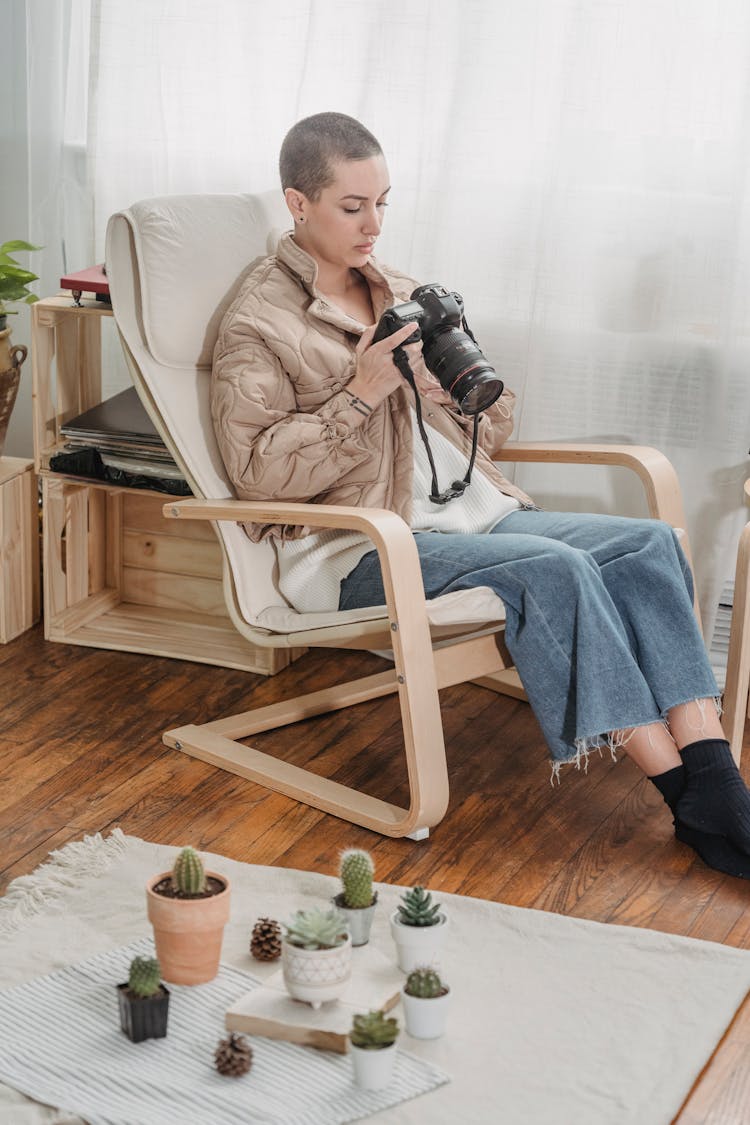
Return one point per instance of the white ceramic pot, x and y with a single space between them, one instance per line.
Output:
373 1066
418 946
425 1017
316 975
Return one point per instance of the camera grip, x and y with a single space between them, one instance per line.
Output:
389 323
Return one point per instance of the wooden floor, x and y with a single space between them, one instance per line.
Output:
80 752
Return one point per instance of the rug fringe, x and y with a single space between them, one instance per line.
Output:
28 895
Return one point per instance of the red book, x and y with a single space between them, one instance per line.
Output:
91 280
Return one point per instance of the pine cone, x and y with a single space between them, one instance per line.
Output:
265 944
234 1056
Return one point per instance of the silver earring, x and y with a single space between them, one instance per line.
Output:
300 218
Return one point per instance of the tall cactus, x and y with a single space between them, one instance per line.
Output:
188 875
356 871
145 976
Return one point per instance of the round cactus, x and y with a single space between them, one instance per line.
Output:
417 908
145 976
357 870
374 1030
188 875
425 983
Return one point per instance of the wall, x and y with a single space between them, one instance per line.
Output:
14 196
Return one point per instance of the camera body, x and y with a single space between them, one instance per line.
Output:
451 354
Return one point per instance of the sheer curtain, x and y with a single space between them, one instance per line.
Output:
576 168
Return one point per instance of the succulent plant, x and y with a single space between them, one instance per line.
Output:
188 875
356 872
374 1030
145 976
417 908
317 929
425 983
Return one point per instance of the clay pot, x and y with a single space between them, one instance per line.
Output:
188 932
11 359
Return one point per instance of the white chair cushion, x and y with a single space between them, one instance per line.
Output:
191 251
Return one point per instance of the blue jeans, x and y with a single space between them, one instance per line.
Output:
600 619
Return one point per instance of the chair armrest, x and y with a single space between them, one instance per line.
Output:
377 523
391 536
656 472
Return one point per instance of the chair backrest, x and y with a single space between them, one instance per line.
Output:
174 264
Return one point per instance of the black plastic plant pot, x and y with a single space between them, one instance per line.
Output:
143 1017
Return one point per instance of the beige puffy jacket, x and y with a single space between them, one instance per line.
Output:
285 428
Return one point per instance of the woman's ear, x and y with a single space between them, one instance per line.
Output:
295 201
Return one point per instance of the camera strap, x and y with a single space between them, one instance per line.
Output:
458 487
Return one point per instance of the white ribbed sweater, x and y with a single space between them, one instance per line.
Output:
312 569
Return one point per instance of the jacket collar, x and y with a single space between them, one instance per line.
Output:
305 269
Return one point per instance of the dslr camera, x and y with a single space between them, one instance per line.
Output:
452 355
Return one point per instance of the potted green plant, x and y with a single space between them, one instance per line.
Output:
188 908
14 279
373 1048
143 1001
14 282
356 900
418 927
425 999
316 956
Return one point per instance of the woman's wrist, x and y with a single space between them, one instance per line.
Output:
358 403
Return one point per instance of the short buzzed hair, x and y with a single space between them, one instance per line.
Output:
313 145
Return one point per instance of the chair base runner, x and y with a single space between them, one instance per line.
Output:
216 743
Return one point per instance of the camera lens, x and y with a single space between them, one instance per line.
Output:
461 369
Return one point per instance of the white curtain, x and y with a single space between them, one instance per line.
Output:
576 168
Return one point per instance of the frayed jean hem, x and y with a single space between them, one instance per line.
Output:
617 739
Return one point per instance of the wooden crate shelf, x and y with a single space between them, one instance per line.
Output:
19 547
117 574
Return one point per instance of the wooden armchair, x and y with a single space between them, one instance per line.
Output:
737 690
174 265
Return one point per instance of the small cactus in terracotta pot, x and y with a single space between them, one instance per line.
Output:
188 908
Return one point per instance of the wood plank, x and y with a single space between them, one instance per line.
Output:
173 591
172 554
143 511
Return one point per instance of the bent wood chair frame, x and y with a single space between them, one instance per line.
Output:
424 662
737 690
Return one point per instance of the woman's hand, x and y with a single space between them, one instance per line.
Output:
377 375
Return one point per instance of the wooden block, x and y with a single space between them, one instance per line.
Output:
19 548
270 1011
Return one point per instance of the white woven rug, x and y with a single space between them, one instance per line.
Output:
554 1019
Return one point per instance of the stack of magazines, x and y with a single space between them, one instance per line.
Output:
124 435
117 441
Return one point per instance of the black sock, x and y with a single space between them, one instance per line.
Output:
716 799
715 851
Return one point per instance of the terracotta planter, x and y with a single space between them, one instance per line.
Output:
418 945
316 975
373 1066
11 359
188 931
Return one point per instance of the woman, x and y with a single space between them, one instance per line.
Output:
306 407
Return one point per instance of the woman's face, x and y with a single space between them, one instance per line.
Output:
340 228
